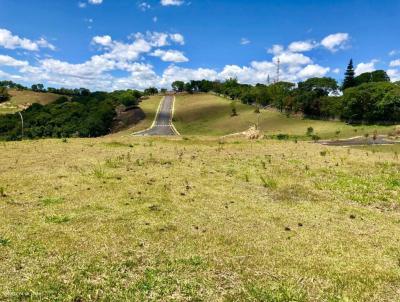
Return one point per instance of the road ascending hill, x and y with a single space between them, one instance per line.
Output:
162 125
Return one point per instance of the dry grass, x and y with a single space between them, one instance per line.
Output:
207 114
197 219
19 99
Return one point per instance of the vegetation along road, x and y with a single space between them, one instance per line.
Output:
162 124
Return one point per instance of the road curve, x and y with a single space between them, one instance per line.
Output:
162 125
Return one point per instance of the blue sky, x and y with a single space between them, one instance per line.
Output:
119 44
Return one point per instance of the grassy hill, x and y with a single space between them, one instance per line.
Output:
207 114
23 97
144 219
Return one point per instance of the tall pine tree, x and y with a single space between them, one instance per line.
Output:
349 76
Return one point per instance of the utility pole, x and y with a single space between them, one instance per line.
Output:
278 70
22 125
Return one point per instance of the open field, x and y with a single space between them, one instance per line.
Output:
23 97
139 219
207 114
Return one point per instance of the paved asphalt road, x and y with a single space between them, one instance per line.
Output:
163 124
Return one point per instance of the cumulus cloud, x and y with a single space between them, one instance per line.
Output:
395 63
170 56
102 40
394 74
177 38
302 46
366 67
276 49
289 58
172 2
311 71
336 41
10 61
10 41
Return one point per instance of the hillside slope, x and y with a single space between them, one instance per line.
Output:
144 219
20 98
208 114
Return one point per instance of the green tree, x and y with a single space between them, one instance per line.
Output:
372 77
349 76
178 86
4 96
151 91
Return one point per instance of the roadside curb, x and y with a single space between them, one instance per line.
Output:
172 116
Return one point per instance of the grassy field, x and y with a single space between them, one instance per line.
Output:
21 98
207 114
140 219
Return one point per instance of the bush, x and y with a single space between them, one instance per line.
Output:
4 96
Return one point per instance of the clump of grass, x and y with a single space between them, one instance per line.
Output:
268 182
4 241
113 162
315 138
116 144
323 153
282 136
247 178
57 219
99 172
2 192
394 182
64 140
310 131
51 200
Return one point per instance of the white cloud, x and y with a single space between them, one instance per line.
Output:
288 58
172 2
335 42
302 46
155 19
96 2
177 38
336 70
394 52
276 49
174 73
244 41
10 41
395 63
10 61
102 40
81 4
170 56
394 74
144 6
365 67
311 71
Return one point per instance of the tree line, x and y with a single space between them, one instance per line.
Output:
367 98
88 115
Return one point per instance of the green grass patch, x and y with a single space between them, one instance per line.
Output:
207 114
